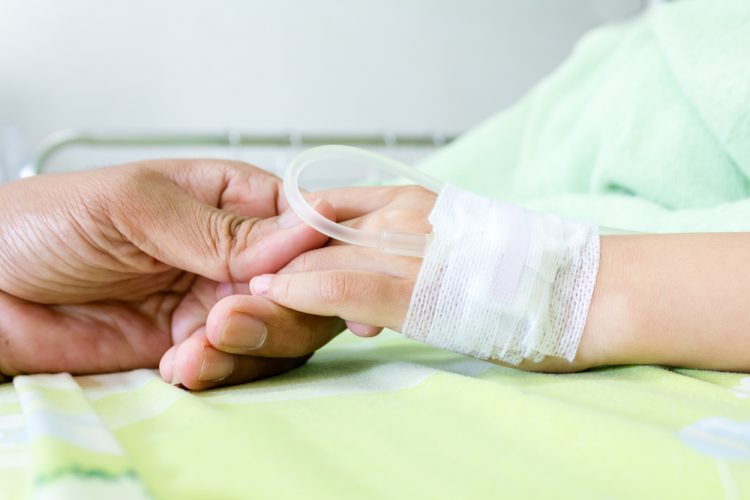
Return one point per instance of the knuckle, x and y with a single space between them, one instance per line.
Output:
334 288
228 237
408 191
127 187
397 219
137 182
301 263
280 288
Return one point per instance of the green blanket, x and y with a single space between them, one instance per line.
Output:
647 127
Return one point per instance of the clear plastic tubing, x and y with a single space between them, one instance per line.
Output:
400 243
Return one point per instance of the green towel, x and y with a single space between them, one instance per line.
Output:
644 127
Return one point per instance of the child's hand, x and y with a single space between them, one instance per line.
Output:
367 288
364 286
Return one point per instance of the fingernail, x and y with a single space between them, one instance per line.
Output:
243 332
260 284
167 363
176 379
216 366
288 219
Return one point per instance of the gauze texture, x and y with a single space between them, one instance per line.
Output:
503 283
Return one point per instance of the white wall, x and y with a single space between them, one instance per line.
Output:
330 65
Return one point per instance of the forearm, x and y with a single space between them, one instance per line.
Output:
679 300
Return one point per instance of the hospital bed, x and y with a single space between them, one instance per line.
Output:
365 418
389 418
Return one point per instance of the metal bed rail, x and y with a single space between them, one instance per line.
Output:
59 141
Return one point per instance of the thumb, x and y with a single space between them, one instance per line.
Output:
182 232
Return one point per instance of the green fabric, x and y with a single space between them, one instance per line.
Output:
646 127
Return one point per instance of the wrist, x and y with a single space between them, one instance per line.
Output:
609 335
504 284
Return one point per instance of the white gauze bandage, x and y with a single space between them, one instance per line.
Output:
503 283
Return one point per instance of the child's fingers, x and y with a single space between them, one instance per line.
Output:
354 258
361 202
358 201
362 297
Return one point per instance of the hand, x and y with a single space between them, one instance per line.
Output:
368 288
112 269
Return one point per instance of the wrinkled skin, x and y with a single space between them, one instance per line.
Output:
112 269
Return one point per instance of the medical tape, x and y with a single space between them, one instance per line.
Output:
503 283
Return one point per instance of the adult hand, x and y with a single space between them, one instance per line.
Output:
122 267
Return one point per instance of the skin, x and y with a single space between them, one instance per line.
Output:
676 299
148 264
129 266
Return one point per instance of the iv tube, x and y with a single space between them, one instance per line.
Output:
399 243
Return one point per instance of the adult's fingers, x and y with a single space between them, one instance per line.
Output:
248 325
230 185
176 228
197 365
81 338
192 310
363 297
